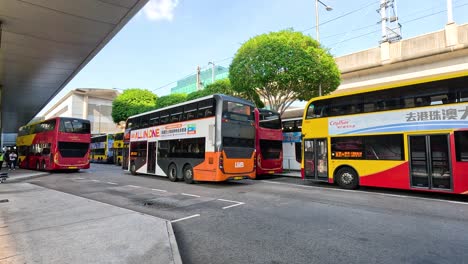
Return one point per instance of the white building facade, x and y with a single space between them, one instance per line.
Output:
88 103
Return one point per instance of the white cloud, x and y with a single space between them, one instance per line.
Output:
160 9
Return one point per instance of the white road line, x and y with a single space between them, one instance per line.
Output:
133 186
113 183
381 194
185 218
95 181
78 178
230 201
159 190
188 194
226 207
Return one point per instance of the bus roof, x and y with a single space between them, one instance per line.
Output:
291 114
52 118
221 96
390 85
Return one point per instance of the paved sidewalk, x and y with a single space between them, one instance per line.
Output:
39 225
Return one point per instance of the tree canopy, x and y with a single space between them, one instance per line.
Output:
283 67
131 102
170 99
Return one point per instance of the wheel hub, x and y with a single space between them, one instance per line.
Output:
346 178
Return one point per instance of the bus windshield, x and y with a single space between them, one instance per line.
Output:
77 126
269 119
237 111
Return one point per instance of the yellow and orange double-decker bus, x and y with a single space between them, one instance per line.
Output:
409 135
206 139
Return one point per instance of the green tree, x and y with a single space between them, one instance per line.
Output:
171 99
131 102
283 67
222 86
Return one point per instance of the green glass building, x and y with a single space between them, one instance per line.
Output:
189 84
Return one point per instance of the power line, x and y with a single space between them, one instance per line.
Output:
336 43
338 17
409 21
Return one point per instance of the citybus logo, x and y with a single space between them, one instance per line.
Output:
342 124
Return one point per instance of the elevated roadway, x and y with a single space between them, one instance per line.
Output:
430 55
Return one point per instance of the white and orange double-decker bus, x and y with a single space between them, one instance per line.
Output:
60 143
409 135
206 139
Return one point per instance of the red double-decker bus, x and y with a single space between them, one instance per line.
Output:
60 143
268 142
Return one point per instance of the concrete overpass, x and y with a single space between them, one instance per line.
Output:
44 44
436 53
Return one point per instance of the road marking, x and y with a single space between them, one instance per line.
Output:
78 178
133 186
95 181
231 201
113 183
193 195
226 207
185 218
159 190
354 191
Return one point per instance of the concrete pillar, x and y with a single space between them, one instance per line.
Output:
85 106
451 35
385 52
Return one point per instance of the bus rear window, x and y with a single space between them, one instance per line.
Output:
237 111
269 119
73 149
75 126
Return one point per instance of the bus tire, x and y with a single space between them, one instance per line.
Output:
172 172
347 178
133 168
188 174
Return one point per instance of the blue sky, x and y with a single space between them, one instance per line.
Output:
167 39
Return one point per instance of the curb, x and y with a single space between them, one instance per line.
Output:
172 241
21 178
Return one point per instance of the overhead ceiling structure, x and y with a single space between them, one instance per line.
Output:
45 43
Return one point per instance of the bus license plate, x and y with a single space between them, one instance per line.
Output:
271 172
239 164
238 178
73 167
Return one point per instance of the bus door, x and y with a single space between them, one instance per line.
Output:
315 159
430 161
152 150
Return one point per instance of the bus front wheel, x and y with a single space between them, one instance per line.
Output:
172 173
133 168
188 174
347 178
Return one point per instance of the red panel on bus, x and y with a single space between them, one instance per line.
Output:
396 177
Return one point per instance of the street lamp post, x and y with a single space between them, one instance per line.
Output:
212 71
328 8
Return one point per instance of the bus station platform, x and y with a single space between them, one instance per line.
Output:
40 225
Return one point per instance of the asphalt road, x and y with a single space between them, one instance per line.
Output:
284 220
